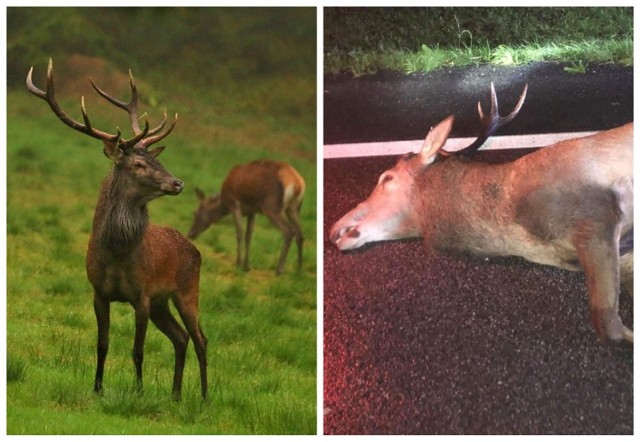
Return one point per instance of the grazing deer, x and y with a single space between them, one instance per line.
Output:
569 205
273 188
128 258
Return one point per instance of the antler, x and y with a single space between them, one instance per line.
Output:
150 136
49 97
490 124
143 138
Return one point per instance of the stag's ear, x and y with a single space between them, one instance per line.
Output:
157 151
111 150
436 138
200 194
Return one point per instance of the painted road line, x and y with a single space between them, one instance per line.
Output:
453 144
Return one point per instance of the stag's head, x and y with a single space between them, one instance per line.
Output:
135 163
390 213
210 210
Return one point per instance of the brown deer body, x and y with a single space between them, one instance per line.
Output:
273 188
569 205
128 258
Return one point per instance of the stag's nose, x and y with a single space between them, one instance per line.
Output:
178 185
335 237
339 233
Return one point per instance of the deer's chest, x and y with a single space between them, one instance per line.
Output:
114 281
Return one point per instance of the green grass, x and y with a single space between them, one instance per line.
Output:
365 40
261 328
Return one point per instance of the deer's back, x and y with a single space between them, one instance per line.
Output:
599 160
261 184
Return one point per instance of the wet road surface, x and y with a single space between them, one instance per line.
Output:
421 343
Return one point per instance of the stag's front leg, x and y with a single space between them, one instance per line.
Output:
102 311
598 254
142 320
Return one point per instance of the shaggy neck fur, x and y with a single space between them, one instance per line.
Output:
121 217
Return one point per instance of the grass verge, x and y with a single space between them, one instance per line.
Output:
365 40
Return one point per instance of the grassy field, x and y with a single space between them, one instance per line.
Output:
261 328
365 40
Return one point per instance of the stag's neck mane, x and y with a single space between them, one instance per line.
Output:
120 219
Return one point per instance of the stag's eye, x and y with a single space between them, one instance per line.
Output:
139 165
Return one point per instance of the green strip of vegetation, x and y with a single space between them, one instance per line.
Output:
365 40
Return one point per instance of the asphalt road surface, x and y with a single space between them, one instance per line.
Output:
421 343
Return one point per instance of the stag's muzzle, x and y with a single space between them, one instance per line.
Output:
344 238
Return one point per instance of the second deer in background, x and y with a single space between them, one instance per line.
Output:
273 188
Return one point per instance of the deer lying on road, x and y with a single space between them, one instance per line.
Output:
273 188
129 259
569 205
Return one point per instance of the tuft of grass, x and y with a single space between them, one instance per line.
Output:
129 401
16 368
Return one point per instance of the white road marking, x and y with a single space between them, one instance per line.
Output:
453 144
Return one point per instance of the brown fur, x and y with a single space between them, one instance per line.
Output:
272 188
129 259
566 205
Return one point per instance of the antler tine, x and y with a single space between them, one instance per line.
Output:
32 88
138 138
87 122
49 97
490 124
516 109
131 107
154 139
159 127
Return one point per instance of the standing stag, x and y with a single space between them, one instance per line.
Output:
569 205
128 258
272 188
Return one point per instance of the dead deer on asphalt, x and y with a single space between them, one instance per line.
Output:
272 188
569 205
128 258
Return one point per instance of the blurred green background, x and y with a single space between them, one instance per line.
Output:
243 82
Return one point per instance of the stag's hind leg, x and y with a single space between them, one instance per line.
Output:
163 319
188 309
597 247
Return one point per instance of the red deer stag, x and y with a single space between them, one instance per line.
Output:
129 259
569 205
273 188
